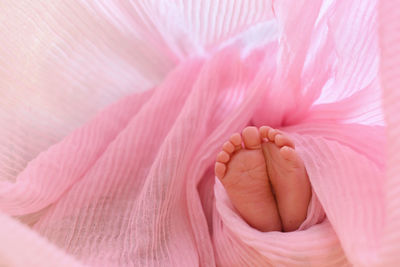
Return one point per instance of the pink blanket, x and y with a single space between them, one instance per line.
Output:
134 185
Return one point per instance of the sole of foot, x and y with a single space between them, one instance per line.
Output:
288 177
242 169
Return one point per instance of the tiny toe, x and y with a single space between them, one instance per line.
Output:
220 169
236 140
223 157
251 138
289 154
271 134
228 147
283 140
264 131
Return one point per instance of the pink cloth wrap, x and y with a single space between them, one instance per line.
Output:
134 185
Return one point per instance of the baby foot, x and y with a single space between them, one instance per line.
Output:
243 172
288 178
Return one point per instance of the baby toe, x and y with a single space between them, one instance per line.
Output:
228 147
271 134
223 157
264 131
283 140
289 154
220 169
236 140
251 138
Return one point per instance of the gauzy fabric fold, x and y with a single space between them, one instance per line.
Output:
94 173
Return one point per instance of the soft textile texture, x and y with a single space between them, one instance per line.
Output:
133 184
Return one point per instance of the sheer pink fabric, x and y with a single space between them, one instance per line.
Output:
112 114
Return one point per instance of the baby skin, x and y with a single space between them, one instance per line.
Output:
265 179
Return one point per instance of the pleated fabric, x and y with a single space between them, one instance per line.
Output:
112 113
389 29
